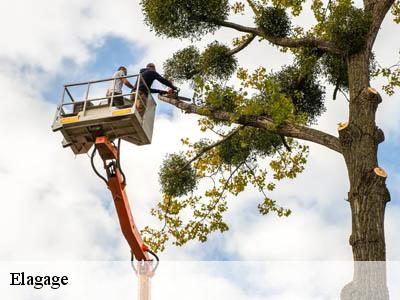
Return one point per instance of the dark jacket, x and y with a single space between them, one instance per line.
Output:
149 76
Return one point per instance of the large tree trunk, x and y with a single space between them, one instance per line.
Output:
368 194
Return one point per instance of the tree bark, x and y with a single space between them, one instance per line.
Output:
285 129
368 193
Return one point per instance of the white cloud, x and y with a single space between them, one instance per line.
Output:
53 206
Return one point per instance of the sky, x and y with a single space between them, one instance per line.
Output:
55 209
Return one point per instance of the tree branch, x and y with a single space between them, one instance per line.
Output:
237 27
242 46
285 129
222 192
310 42
378 11
285 144
253 7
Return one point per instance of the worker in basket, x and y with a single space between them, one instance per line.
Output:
116 86
149 74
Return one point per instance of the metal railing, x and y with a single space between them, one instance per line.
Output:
84 104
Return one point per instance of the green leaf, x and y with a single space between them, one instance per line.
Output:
184 18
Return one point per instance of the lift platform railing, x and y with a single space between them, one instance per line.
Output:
70 106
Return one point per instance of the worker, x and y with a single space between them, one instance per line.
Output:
116 86
149 74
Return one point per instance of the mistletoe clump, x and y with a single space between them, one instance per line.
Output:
176 176
274 21
348 26
304 90
183 65
216 61
247 144
265 143
221 98
335 70
184 18
232 165
234 150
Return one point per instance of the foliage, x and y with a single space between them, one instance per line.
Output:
238 7
193 216
288 95
335 70
267 100
233 151
248 144
177 178
306 60
264 143
392 74
246 156
184 18
317 7
221 98
296 6
216 62
304 90
393 80
396 11
274 21
233 163
347 26
183 65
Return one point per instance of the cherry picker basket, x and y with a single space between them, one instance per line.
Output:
129 116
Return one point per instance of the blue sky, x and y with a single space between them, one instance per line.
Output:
105 59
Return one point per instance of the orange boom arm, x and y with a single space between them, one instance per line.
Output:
115 182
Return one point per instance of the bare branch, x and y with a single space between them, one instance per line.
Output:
284 142
378 11
242 46
285 129
310 42
237 27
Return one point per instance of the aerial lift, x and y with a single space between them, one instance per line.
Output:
96 122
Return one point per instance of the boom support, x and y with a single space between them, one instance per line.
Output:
116 184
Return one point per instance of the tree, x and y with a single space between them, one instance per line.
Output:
269 114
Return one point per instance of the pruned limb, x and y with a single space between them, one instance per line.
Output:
285 129
310 42
342 125
380 172
242 46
